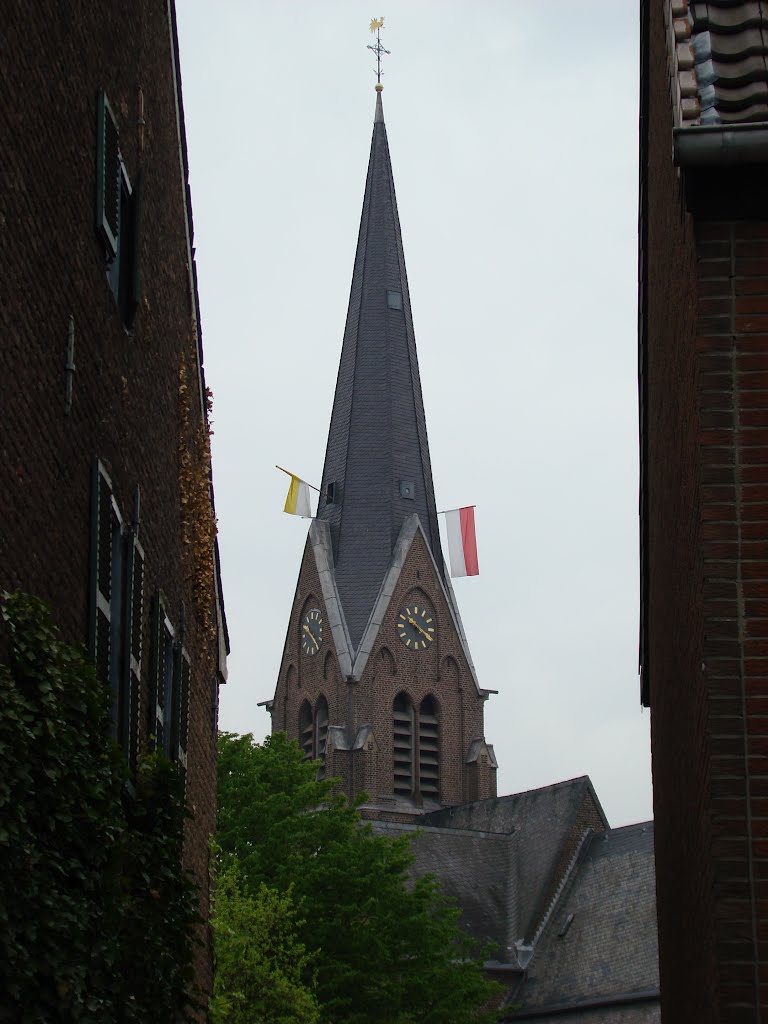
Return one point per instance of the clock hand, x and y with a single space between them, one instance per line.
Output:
309 631
422 631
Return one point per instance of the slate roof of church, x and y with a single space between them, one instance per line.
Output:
501 860
378 433
539 820
606 953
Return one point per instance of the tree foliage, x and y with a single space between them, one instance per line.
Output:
387 949
95 913
260 962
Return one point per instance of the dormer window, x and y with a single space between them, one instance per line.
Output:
394 300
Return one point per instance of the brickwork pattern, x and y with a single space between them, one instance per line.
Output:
441 671
732 357
672 664
125 406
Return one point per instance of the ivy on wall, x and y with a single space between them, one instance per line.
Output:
96 914
198 523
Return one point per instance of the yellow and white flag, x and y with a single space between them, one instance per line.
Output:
297 501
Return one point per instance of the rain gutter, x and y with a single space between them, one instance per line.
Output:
720 145
648 995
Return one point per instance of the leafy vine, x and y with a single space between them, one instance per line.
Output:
198 522
97 916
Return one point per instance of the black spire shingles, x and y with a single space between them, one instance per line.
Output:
377 442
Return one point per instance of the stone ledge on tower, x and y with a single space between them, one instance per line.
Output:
320 539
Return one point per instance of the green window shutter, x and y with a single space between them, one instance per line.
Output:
130 691
180 707
117 587
133 298
100 617
161 676
107 175
169 679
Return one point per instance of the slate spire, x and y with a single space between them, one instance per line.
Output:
377 461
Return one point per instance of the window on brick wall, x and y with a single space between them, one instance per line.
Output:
170 676
313 731
116 607
403 745
416 771
306 727
321 731
118 213
161 675
429 782
180 706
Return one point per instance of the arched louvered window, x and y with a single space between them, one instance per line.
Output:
416 748
428 748
321 731
403 745
306 730
313 730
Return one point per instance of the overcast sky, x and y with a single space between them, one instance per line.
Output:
513 134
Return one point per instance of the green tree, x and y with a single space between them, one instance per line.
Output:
387 949
260 963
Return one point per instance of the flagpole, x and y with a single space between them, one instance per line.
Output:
288 473
443 511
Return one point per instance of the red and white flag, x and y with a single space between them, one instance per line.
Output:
462 543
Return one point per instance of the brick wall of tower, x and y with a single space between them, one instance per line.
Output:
126 405
303 677
441 671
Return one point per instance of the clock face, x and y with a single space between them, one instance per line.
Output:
416 627
312 631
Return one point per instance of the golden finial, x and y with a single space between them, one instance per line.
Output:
377 24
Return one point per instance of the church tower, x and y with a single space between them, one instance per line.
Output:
376 678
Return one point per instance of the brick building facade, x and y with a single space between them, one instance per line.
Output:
105 495
376 677
704 497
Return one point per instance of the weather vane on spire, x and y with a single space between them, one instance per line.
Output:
377 24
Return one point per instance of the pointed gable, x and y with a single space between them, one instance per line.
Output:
377 461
